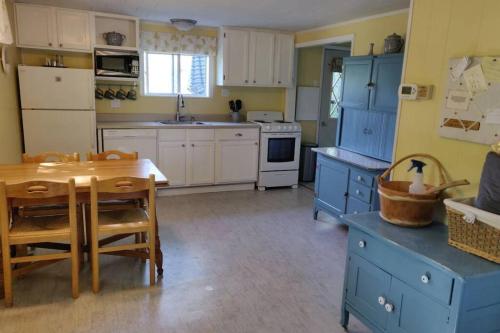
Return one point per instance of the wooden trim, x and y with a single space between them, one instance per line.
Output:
123 247
320 42
52 256
36 265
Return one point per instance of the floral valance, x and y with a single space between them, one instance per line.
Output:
178 43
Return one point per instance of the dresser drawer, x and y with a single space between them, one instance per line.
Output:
417 274
169 134
355 206
201 134
361 177
237 134
360 192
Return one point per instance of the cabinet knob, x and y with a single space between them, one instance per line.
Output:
50 44
256 143
381 300
279 82
60 45
183 145
389 307
238 134
359 178
355 212
192 145
426 278
362 244
254 81
358 192
246 81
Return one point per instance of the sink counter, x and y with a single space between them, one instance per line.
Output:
158 125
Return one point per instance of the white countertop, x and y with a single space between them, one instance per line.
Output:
158 125
346 156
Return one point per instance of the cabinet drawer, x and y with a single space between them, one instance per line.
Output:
355 206
113 133
172 134
201 134
360 192
361 177
418 274
237 134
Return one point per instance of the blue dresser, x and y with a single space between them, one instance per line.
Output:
402 280
346 182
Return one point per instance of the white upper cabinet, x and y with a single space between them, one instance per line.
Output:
35 26
249 57
261 58
284 59
45 27
233 57
73 29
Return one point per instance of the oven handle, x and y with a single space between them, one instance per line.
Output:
281 135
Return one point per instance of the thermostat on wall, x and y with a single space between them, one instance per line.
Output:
410 91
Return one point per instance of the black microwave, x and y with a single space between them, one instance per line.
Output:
109 63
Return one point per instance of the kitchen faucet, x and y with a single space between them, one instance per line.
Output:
180 104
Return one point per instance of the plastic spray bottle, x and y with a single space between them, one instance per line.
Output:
418 187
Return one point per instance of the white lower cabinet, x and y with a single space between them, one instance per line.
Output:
236 161
201 162
172 158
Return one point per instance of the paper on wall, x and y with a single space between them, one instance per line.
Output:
475 80
458 100
492 116
459 67
491 68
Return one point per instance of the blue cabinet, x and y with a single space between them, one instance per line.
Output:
401 280
345 182
369 105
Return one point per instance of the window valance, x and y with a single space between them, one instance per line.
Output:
178 43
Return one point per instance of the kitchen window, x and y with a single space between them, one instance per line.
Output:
168 74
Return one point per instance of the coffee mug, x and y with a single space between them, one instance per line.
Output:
99 94
110 94
132 94
121 94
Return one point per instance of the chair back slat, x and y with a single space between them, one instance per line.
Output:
51 156
112 155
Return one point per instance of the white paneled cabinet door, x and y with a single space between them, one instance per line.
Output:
237 161
201 164
284 59
35 26
172 162
235 57
73 29
261 58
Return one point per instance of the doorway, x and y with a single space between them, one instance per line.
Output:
330 93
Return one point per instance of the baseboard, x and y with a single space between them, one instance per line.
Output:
165 192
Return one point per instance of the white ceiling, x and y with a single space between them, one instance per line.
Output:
278 14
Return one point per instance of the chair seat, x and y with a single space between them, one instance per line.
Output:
31 229
123 221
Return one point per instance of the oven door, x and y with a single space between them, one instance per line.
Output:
279 151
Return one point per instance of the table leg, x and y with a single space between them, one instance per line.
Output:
1 276
158 254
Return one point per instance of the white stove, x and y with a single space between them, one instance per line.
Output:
279 149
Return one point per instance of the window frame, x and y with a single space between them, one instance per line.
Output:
143 80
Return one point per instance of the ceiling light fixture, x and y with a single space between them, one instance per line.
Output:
183 24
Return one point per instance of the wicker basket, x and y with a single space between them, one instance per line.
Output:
473 230
398 206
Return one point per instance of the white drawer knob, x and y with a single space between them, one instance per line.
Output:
425 278
389 307
358 192
381 300
362 244
359 178
355 212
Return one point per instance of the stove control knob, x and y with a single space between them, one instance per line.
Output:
268 127
278 127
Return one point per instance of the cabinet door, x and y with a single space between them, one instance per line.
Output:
283 59
357 75
386 78
331 184
201 164
236 161
366 283
415 313
353 132
73 29
172 162
35 26
261 58
235 57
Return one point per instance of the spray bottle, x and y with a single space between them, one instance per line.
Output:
418 187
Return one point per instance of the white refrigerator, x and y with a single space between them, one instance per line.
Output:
58 109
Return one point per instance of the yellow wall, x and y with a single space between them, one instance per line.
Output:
441 30
271 99
365 32
10 131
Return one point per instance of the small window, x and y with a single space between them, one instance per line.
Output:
168 74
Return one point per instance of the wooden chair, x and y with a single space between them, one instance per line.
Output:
37 229
51 156
116 224
112 155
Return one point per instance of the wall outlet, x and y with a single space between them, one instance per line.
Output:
116 104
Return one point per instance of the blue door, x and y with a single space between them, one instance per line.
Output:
432 317
357 75
366 284
331 185
386 78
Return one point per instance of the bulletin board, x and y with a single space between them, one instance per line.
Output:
471 109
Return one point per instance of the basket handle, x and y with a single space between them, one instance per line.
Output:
442 174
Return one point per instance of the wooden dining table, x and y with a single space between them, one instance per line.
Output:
82 172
